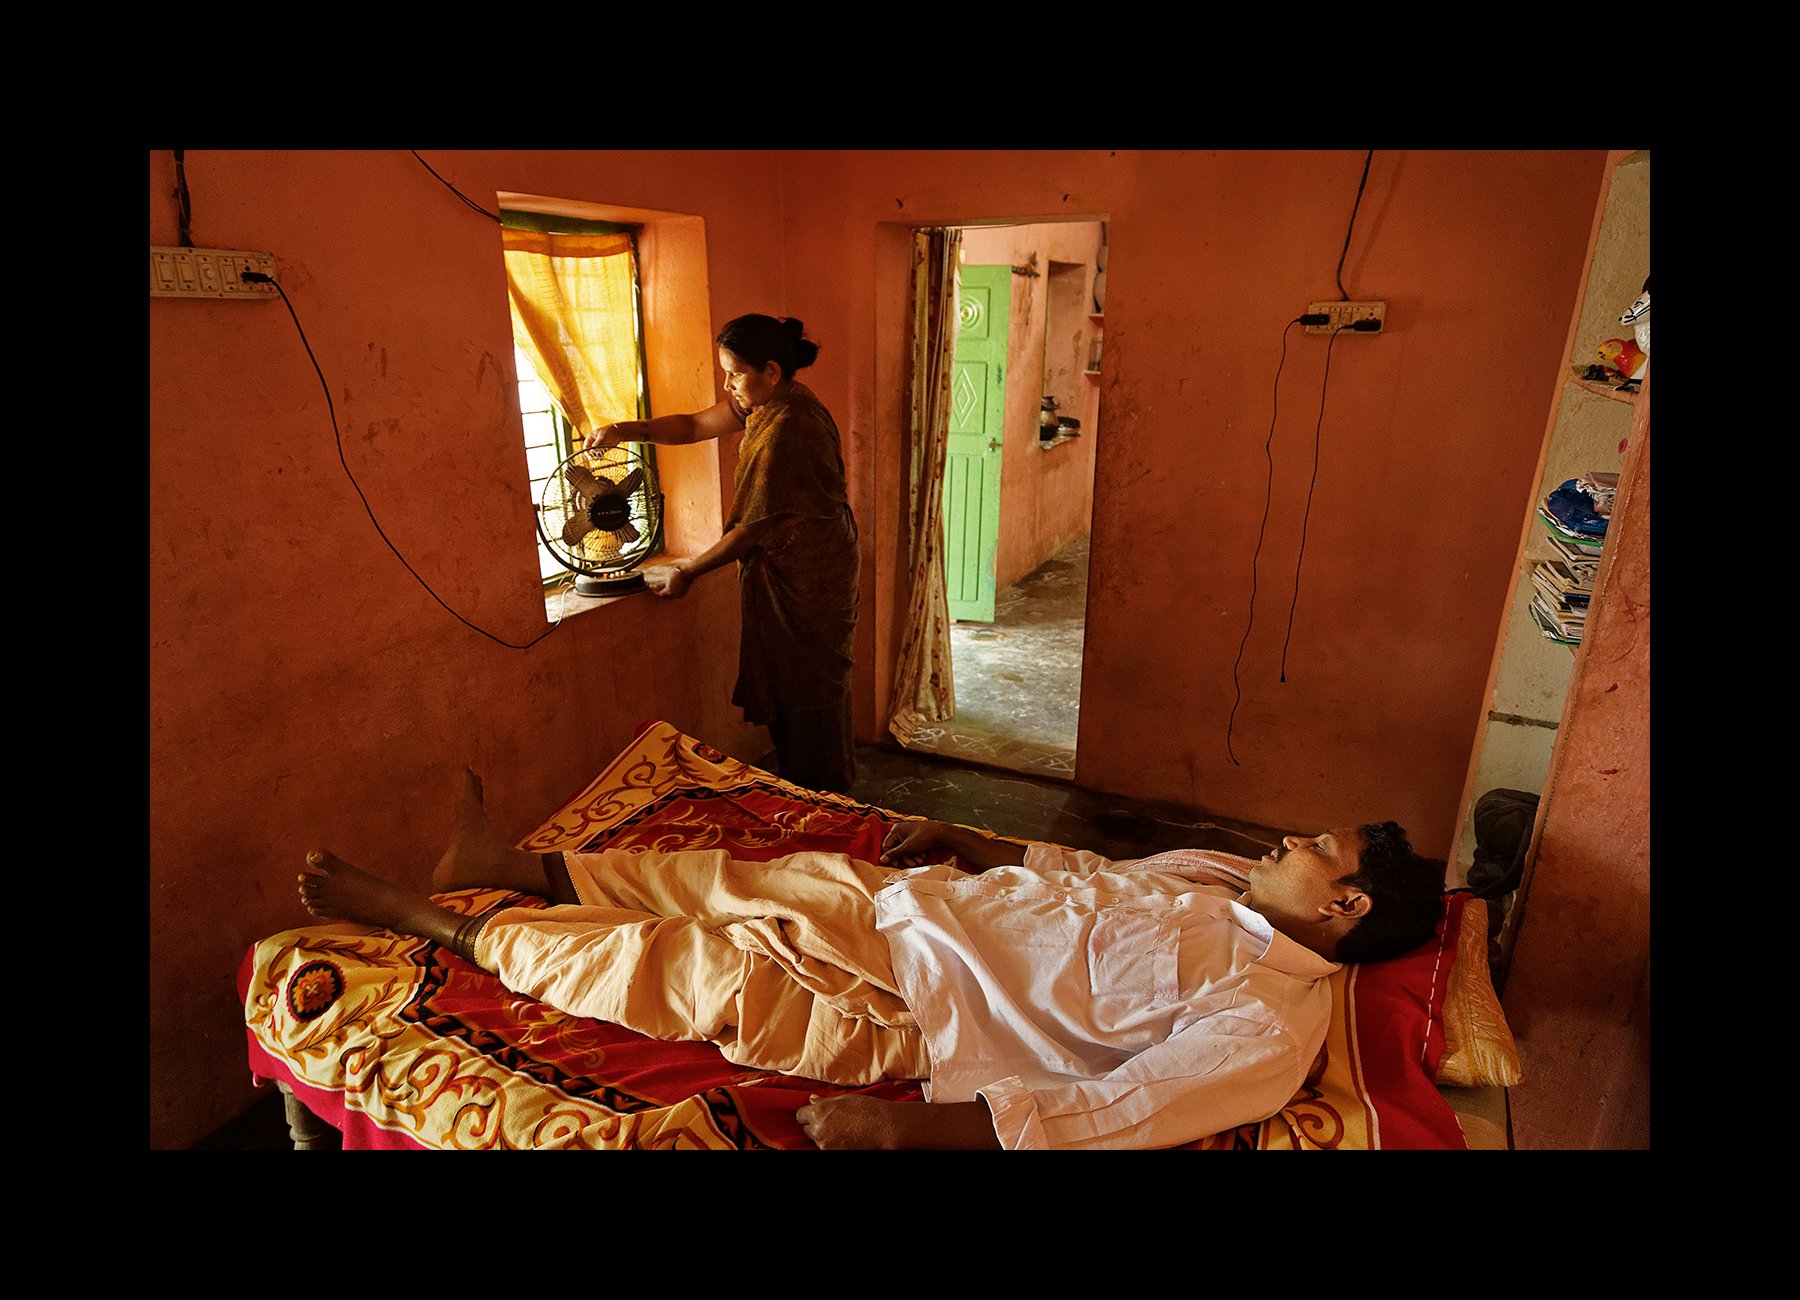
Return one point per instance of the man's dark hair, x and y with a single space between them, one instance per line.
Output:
1406 893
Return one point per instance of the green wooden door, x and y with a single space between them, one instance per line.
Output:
972 460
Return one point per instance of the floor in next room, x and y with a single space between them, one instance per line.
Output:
1017 680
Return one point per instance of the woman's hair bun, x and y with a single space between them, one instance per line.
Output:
805 350
759 339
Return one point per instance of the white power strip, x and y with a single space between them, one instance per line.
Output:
1341 316
209 273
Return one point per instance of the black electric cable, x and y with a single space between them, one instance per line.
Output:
1268 496
184 206
1309 319
1341 256
1318 436
256 277
459 194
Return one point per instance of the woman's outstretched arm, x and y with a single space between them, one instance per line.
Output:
669 430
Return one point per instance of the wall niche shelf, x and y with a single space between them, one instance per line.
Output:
1533 670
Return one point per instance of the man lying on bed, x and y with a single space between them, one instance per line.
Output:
1049 998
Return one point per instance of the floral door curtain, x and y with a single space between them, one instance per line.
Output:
924 691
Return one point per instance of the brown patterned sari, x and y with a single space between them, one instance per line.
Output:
799 587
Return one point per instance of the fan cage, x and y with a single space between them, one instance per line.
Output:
601 550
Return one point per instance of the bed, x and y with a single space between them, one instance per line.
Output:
381 1041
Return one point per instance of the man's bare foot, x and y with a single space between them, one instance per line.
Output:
478 857
334 890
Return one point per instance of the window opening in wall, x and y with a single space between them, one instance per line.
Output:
578 344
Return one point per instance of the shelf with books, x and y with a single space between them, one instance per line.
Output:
1575 516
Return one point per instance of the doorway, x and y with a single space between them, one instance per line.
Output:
1018 499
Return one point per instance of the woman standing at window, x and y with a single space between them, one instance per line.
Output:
794 539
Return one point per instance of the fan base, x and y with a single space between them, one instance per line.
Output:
612 584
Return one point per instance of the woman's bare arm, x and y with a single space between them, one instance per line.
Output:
673 578
669 430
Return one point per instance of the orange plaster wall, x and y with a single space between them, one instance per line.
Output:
305 689
1429 438
1425 447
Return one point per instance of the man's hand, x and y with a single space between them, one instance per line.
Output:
668 580
908 843
853 1122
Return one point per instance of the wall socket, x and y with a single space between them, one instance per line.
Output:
1343 313
208 273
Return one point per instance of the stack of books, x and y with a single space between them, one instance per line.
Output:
1560 603
1575 517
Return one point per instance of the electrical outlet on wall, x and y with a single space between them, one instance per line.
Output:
1341 315
208 273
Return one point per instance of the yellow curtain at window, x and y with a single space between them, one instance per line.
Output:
572 315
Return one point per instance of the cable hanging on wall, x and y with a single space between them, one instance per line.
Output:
1354 207
1318 440
1318 437
338 435
184 206
1268 496
495 216
1319 427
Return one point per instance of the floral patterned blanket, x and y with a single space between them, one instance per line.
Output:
399 1043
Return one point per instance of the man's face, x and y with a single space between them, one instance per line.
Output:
1298 881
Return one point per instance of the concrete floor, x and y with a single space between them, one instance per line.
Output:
1018 679
1028 807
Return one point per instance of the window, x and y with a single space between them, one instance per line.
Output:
578 339
548 442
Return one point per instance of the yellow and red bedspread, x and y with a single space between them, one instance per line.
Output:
399 1043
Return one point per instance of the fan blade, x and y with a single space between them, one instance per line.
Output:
626 530
583 482
576 527
632 482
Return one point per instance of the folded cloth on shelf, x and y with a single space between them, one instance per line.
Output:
1573 509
